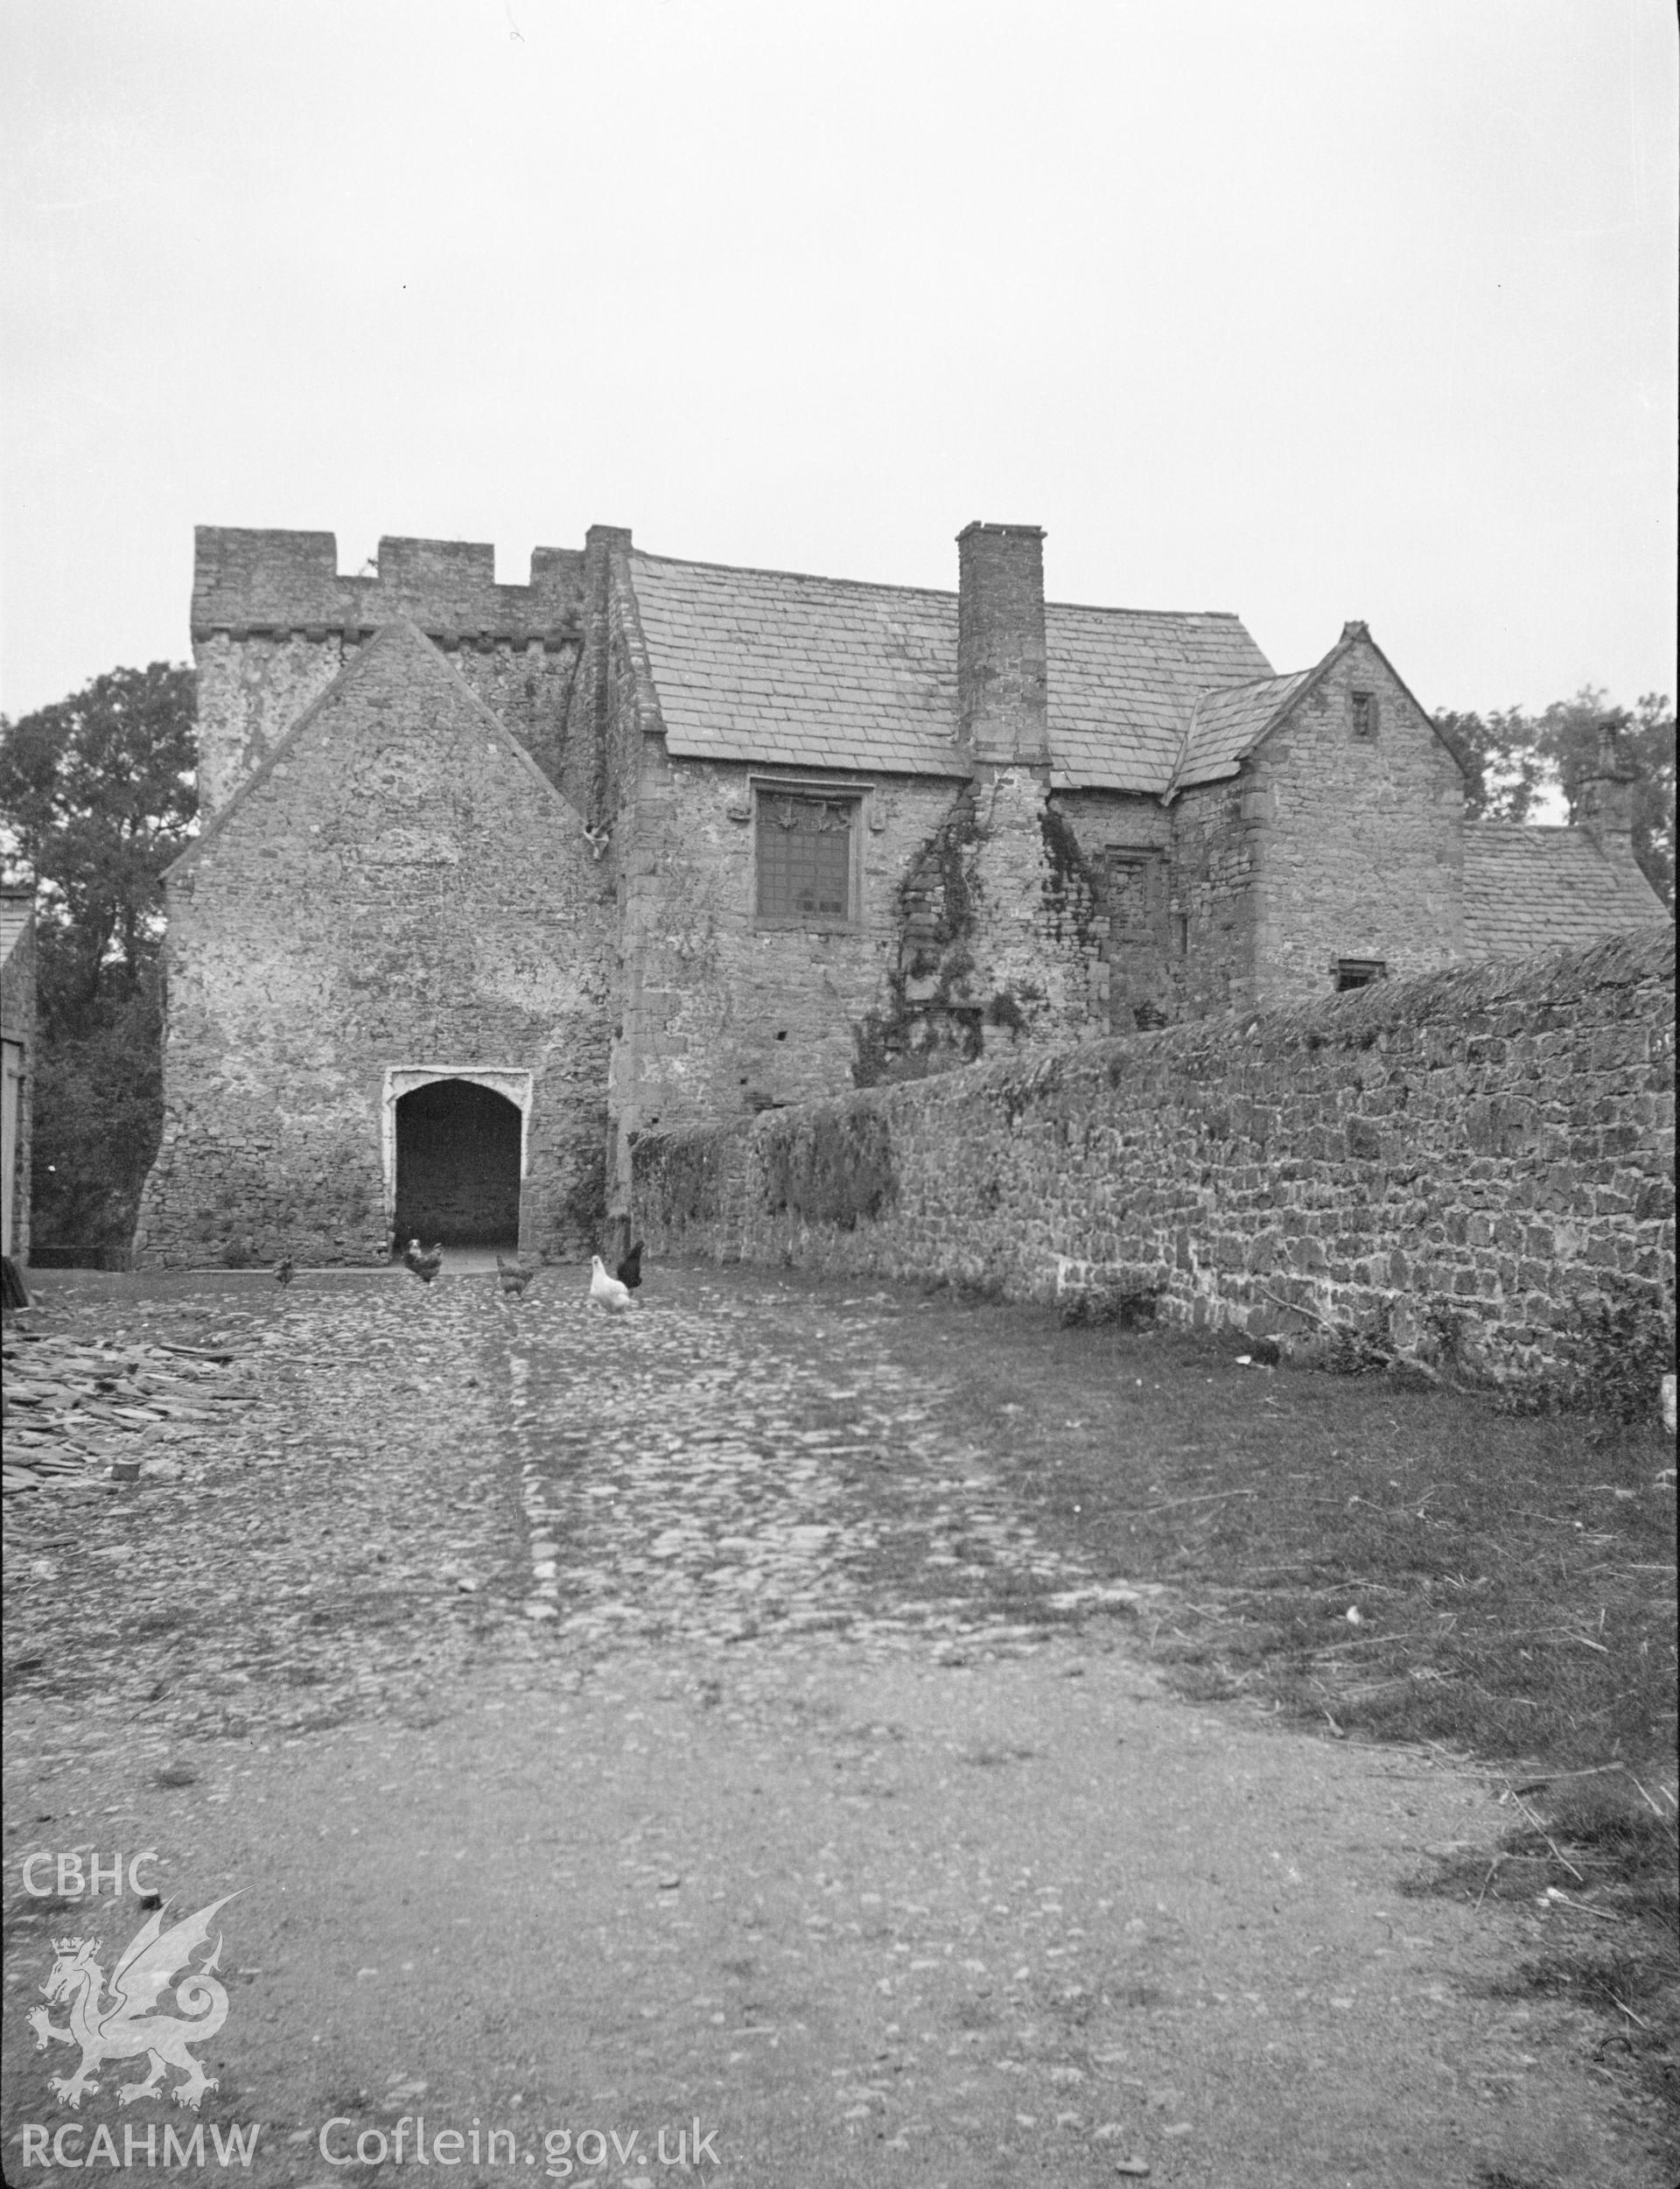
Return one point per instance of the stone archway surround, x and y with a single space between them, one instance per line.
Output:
402 1079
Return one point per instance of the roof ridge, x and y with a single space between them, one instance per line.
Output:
1249 683
805 576
1176 615
929 593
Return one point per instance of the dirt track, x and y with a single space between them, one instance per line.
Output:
614 1725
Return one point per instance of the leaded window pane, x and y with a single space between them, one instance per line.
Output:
804 858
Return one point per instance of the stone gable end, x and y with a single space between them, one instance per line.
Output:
1353 807
398 890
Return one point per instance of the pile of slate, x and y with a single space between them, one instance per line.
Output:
85 1415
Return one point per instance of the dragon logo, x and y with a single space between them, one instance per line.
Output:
153 1961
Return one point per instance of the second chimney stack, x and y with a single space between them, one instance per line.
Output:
1604 803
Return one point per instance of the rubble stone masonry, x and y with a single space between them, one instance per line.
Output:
1210 945
274 623
732 1016
1473 1152
726 1013
1354 820
399 890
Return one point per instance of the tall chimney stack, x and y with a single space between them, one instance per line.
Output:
1605 803
1002 711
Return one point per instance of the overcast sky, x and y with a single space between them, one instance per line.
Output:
1310 309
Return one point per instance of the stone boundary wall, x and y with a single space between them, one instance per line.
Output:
1461 1160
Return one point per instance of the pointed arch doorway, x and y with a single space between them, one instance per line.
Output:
455 1146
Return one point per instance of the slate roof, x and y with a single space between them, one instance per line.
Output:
1527 888
768 666
811 672
1124 687
1224 725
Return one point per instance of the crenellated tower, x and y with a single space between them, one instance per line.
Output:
275 621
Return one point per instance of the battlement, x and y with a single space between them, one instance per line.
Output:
247 582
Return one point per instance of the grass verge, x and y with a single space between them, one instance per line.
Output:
1388 1563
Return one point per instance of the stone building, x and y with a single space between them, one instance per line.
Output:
494 878
16 1066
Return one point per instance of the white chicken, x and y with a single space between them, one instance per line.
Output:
606 1292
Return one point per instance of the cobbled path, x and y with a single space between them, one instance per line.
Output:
722 1469
394 1484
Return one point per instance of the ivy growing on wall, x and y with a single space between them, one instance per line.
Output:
937 916
936 1016
829 1167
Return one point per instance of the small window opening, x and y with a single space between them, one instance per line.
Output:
1359 973
1364 715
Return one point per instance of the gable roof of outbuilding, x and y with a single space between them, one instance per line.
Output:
785 670
1226 727
1529 889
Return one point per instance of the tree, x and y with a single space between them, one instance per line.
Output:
1513 761
97 796
1504 772
1569 733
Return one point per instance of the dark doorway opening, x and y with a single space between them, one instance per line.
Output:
457 1166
